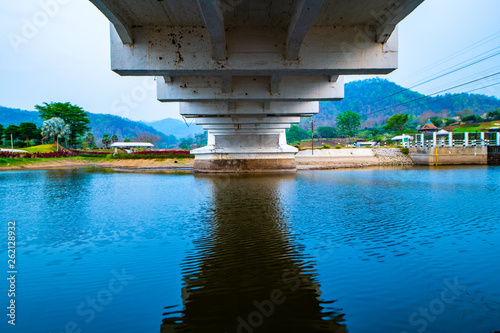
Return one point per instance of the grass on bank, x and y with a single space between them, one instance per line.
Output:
477 127
11 162
41 148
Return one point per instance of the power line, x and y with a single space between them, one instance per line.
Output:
437 77
420 98
455 70
456 54
487 71
451 69
465 92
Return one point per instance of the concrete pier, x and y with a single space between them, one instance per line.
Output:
245 70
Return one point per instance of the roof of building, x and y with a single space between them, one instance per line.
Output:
131 144
401 137
429 126
14 150
442 132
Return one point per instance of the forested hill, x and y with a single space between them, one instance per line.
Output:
124 128
177 127
100 124
366 97
10 116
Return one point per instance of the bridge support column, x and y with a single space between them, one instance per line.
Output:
246 137
257 152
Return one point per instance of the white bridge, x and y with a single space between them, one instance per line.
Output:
248 69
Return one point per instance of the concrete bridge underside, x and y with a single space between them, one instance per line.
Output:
247 69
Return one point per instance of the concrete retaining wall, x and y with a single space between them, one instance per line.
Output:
449 155
352 157
494 155
392 156
337 156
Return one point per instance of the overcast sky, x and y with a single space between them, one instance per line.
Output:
65 56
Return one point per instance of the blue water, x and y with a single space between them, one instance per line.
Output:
368 250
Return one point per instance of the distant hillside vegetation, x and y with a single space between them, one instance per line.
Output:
10 116
100 123
176 127
125 128
359 95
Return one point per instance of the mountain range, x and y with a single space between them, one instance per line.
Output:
176 127
374 99
378 99
169 129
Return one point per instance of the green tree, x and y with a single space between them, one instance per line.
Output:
295 134
201 139
397 122
326 132
127 140
437 121
185 143
114 138
348 123
11 129
494 115
11 132
27 131
472 119
73 115
55 128
1 131
90 139
106 140
448 121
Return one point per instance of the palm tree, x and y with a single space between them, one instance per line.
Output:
54 128
106 140
90 139
114 138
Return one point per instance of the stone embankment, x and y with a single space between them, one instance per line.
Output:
391 156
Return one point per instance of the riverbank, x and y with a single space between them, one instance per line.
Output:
89 162
321 160
325 159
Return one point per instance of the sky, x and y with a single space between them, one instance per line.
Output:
58 51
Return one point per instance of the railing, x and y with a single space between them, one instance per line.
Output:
485 140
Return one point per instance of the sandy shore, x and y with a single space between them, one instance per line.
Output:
114 164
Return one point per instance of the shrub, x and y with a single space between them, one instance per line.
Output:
405 151
92 153
326 146
155 154
338 147
55 154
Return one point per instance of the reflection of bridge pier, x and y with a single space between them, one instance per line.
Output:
247 69
248 274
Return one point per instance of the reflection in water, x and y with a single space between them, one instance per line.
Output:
247 274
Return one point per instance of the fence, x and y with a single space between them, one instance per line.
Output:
476 139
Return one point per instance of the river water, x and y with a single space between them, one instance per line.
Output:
367 250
